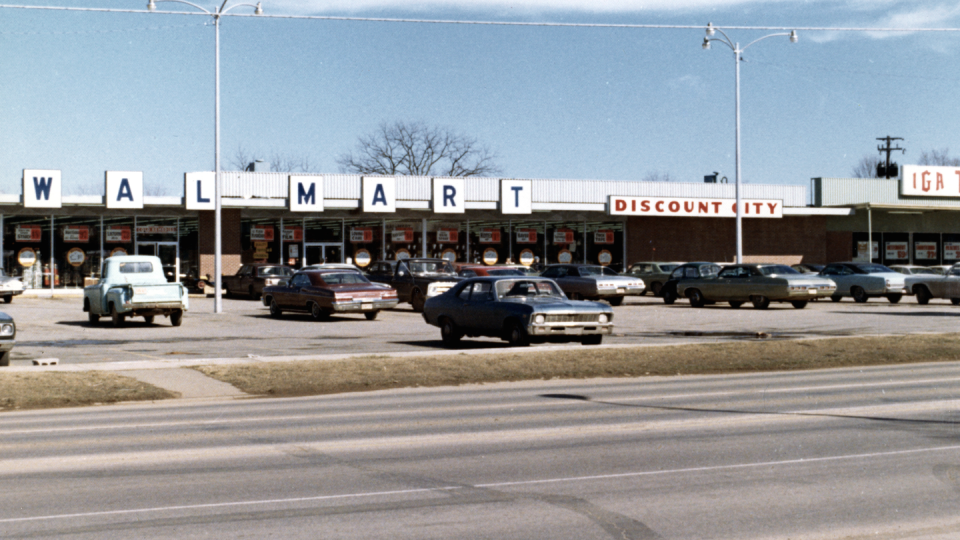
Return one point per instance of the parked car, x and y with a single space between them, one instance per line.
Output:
519 310
8 338
653 274
415 280
594 282
684 272
251 278
10 286
863 280
911 269
940 269
808 268
474 270
759 284
322 293
929 286
134 286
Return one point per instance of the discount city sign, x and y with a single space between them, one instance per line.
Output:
693 207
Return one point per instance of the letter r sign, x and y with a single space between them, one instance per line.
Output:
449 196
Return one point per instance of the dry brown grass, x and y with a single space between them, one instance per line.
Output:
61 389
376 373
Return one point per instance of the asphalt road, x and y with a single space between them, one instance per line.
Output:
832 454
58 328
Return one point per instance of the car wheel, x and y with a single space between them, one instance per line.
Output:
836 298
735 304
417 300
616 301
517 335
955 301
595 339
760 302
655 288
148 319
7 299
176 318
317 312
696 298
252 293
923 296
669 296
859 295
799 304
275 310
894 298
93 318
5 359
371 315
116 317
449 332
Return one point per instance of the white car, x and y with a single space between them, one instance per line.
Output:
9 287
927 286
863 280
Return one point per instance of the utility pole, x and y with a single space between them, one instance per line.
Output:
886 172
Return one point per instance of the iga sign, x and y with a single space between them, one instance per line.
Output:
923 181
689 207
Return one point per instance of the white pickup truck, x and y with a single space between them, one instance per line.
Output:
134 286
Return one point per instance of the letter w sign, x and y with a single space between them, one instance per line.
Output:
41 188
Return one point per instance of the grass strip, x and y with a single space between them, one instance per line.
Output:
304 378
19 391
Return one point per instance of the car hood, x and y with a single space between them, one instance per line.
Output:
546 303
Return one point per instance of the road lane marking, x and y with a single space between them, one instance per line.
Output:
493 485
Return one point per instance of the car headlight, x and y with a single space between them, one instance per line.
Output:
603 318
7 329
539 319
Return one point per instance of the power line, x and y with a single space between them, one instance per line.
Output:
112 31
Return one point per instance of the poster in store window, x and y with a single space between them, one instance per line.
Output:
526 236
361 235
76 257
28 233
261 233
563 236
293 234
603 237
863 255
117 234
402 235
76 233
951 250
490 236
896 250
925 250
448 236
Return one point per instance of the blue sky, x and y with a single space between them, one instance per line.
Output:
90 92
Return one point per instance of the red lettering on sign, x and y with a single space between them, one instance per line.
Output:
633 205
939 181
958 177
924 183
704 208
645 205
773 208
674 206
688 209
659 206
716 207
620 205
758 206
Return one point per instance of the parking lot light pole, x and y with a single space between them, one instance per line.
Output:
735 47
218 182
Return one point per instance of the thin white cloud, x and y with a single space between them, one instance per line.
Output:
526 6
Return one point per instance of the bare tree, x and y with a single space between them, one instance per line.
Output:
867 167
278 162
938 158
413 148
658 176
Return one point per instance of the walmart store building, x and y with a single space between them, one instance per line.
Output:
56 241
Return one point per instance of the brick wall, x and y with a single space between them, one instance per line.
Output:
839 246
789 240
230 243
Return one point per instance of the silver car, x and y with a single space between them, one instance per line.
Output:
928 286
593 282
863 280
10 286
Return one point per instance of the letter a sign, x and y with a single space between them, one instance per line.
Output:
379 194
306 193
124 189
41 189
200 190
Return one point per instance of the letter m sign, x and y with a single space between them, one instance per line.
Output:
306 193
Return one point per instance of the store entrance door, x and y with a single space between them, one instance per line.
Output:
169 253
321 253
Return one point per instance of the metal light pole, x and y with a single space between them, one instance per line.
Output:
218 181
735 47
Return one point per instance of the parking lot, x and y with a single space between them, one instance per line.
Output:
58 328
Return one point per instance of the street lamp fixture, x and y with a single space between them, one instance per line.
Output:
218 183
737 50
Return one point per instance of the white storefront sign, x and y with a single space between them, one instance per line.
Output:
693 207
951 250
124 189
924 181
516 196
199 190
379 194
925 250
306 193
41 188
896 250
449 196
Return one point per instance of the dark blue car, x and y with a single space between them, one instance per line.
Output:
518 309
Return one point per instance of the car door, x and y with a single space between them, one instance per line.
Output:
403 281
480 309
951 283
730 283
290 297
841 275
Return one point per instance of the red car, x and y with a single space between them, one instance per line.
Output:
474 270
322 293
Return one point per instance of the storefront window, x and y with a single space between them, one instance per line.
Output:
605 245
489 242
26 249
447 240
528 241
565 242
260 240
364 242
403 239
77 251
926 249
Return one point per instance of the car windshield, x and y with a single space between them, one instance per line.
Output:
505 272
776 269
136 268
597 271
667 268
874 269
709 270
431 267
509 288
275 271
340 278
